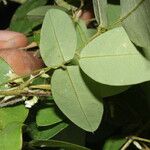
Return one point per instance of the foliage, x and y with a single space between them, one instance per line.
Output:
87 76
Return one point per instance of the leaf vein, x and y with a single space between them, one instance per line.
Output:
78 99
119 55
60 50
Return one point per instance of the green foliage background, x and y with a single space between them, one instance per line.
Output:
99 77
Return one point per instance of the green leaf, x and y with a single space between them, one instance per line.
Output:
55 143
11 137
26 7
20 22
75 99
47 116
100 10
81 31
66 5
5 68
58 38
91 32
83 34
39 12
82 40
137 24
47 132
112 59
114 144
12 114
11 121
102 89
107 90
24 25
78 137
113 13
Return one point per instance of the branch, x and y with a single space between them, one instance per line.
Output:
11 100
136 138
25 92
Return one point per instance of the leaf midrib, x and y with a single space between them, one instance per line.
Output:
76 93
119 55
60 50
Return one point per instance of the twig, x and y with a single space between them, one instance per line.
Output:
32 45
7 98
81 4
127 15
140 139
124 147
4 1
41 86
12 102
12 92
27 75
137 144
133 138
25 92
39 93
145 146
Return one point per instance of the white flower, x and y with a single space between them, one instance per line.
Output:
45 75
30 103
12 75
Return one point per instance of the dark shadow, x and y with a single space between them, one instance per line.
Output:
117 2
124 114
6 13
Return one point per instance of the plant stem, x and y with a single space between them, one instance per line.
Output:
140 139
127 144
126 16
12 92
133 138
81 4
39 93
32 45
41 86
15 100
5 2
25 92
12 102
43 70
